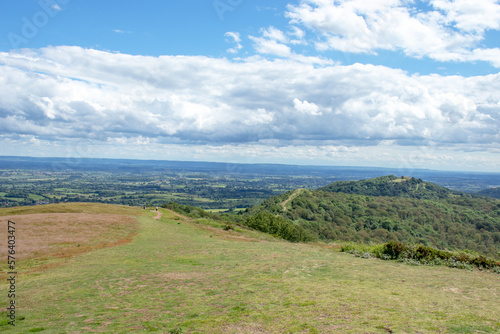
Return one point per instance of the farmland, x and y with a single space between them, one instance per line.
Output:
215 186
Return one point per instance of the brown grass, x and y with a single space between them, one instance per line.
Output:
97 208
48 236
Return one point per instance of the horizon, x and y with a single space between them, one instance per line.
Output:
388 84
409 169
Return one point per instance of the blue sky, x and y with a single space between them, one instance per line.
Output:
394 83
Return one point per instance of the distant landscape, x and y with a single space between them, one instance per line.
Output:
214 186
199 247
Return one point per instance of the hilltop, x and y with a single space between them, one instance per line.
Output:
179 274
392 186
393 209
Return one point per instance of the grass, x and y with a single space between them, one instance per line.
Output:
179 275
62 231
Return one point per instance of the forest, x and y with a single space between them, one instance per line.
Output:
386 209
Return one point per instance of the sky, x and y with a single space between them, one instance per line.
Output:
382 83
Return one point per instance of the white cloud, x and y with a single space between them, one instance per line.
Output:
306 107
234 37
79 94
118 31
470 15
273 42
450 31
297 33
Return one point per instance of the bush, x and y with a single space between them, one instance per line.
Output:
420 255
394 249
278 226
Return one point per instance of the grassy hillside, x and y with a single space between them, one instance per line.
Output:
180 275
393 209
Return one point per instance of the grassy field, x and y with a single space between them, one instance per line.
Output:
182 276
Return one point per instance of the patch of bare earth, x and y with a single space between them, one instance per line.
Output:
61 235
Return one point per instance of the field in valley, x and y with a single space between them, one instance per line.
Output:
95 268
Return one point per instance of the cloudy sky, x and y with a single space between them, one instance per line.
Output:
396 83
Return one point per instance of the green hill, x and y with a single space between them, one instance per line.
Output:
491 192
393 209
179 274
392 186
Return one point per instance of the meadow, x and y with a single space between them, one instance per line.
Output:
171 274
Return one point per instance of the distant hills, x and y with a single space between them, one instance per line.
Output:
390 208
491 192
392 186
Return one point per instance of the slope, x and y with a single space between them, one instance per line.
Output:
415 212
392 186
179 275
491 192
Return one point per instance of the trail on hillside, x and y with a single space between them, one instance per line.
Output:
158 214
295 193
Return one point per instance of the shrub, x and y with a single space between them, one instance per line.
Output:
394 249
278 226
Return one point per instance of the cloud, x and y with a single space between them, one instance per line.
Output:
274 42
306 107
80 94
448 31
118 31
470 15
234 37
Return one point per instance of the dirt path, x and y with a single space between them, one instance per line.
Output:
158 214
295 193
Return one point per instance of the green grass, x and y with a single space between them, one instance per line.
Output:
36 197
180 275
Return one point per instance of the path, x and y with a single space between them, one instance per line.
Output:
158 214
295 193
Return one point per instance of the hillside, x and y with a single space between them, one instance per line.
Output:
185 275
392 186
491 192
391 208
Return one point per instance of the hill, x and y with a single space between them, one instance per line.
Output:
392 186
491 192
186 275
393 209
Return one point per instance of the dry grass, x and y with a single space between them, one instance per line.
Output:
43 238
96 208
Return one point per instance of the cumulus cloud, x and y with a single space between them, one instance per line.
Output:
82 94
449 31
306 107
272 42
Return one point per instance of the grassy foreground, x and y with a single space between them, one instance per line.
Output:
179 276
